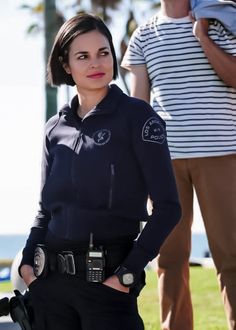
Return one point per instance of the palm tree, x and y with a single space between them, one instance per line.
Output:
47 20
52 22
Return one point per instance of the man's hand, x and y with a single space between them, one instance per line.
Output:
114 283
223 63
200 29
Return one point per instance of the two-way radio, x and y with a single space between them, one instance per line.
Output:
95 263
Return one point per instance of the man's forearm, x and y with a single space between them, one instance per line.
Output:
139 82
223 63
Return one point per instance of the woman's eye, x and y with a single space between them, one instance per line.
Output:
104 53
82 57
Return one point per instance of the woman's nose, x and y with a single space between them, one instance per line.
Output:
94 63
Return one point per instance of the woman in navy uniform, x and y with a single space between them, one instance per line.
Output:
103 155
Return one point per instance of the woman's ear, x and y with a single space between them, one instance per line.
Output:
66 68
65 65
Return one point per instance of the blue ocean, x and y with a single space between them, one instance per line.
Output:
11 244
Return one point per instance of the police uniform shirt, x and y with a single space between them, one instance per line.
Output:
97 174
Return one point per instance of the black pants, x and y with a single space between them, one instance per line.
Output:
65 302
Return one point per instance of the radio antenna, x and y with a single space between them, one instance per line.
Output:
91 241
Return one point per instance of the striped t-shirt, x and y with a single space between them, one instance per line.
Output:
199 109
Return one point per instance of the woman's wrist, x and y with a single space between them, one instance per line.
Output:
27 274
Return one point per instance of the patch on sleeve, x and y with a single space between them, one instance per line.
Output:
153 131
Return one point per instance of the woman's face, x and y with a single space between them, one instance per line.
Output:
90 61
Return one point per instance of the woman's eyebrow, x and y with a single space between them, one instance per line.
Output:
84 52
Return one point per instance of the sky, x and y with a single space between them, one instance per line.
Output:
22 118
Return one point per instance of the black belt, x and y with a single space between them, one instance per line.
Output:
69 262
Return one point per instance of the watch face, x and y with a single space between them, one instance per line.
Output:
128 279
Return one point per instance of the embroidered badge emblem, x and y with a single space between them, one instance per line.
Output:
153 131
101 137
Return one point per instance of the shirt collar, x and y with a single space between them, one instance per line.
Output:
108 104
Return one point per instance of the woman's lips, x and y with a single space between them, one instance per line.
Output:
96 75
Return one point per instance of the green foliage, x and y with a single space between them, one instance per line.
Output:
148 302
5 286
33 28
208 308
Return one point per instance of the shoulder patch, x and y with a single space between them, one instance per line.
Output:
102 137
153 131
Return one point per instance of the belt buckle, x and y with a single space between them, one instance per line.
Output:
66 262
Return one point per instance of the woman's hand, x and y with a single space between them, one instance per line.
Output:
28 274
114 283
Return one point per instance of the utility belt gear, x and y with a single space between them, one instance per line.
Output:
94 263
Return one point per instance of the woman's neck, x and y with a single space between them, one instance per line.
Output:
89 99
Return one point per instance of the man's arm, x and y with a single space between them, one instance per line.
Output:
139 82
223 63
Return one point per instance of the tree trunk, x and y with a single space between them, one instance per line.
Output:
51 22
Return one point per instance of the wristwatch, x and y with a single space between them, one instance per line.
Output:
125 276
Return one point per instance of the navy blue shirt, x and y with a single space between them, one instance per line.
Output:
97 174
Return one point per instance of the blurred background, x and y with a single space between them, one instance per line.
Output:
27 28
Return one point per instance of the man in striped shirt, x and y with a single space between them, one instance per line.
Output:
190 68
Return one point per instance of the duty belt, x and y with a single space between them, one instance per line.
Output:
65 262
70 262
